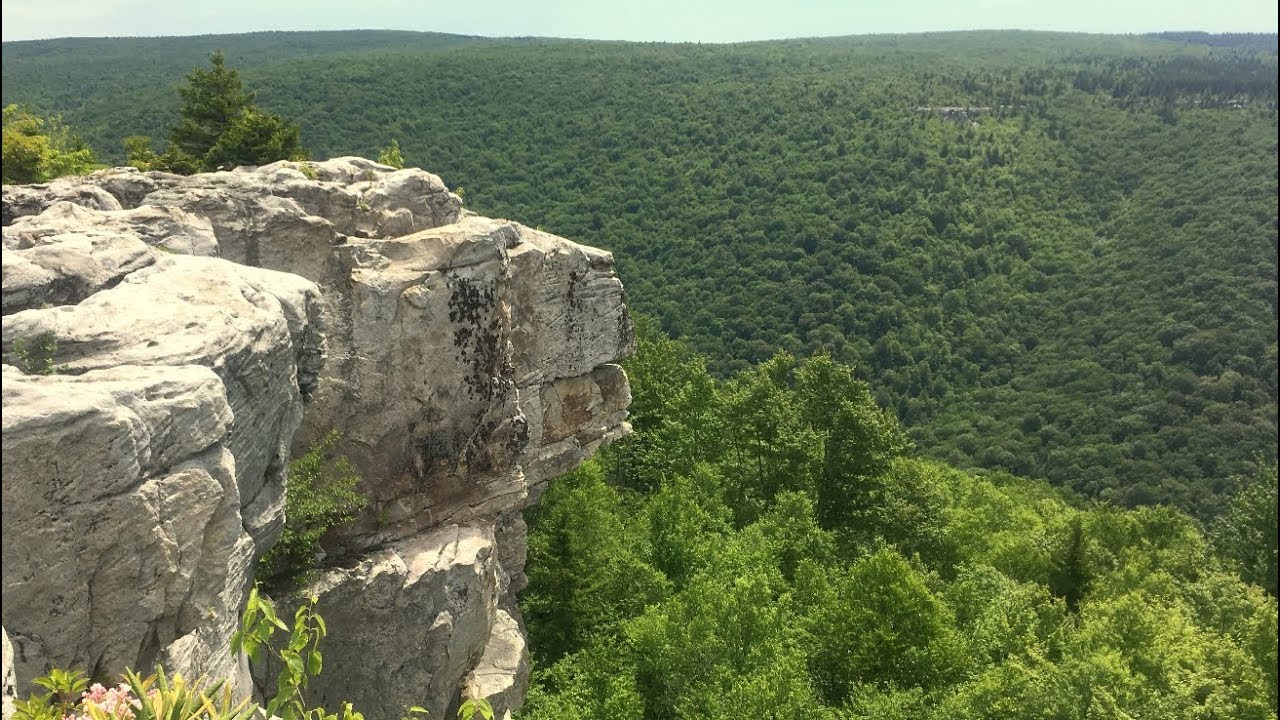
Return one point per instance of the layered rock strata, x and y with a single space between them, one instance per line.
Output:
198 328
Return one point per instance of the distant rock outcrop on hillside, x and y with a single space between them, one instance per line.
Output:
170 342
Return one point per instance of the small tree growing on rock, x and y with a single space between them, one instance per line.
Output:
321 495
391 156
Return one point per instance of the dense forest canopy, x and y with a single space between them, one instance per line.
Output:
770 547
1050 254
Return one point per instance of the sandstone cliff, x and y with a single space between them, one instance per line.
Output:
204 328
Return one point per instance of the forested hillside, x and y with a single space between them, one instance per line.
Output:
1053 255
769 547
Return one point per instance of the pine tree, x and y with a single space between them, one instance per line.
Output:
255 138
211 101
1070 577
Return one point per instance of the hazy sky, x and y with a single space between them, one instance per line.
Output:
691 20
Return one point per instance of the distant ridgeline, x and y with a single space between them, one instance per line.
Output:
1073 276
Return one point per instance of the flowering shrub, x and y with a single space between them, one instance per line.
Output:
159 697
99 701
156 697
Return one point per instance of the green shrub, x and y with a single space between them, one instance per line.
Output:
64 688
37 149
391 156
321 495
35 356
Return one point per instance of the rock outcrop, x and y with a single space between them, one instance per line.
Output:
202 329
430 593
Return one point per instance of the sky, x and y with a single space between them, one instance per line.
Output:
655 20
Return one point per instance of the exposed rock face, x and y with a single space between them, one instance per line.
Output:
8 683
410 621
122 540
469 361
131 500
502 673
167 228
22 200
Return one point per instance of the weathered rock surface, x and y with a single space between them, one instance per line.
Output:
22 200
122 539
501 675
257 329
132 501
170 229
8 682
69 269
407 622
469 361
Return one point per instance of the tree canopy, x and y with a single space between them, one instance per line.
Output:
1049 254
37 149
674 578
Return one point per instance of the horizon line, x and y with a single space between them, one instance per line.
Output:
1144 33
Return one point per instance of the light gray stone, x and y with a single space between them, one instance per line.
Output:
22 200
169 229
258 329
501 676
65 269
132 499
122 540
8 682
406 624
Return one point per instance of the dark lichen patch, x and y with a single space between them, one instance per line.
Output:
496 444
519 438
572 298
436 454
626 331
477 335
478 455
575 306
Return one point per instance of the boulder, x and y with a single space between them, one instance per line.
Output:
22 200
501 674
123 545
68 268
257 329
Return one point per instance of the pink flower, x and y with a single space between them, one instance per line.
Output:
117 702
95 693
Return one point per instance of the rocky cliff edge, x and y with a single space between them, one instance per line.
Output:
170 342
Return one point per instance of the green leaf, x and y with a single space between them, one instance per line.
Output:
314 663
472 706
